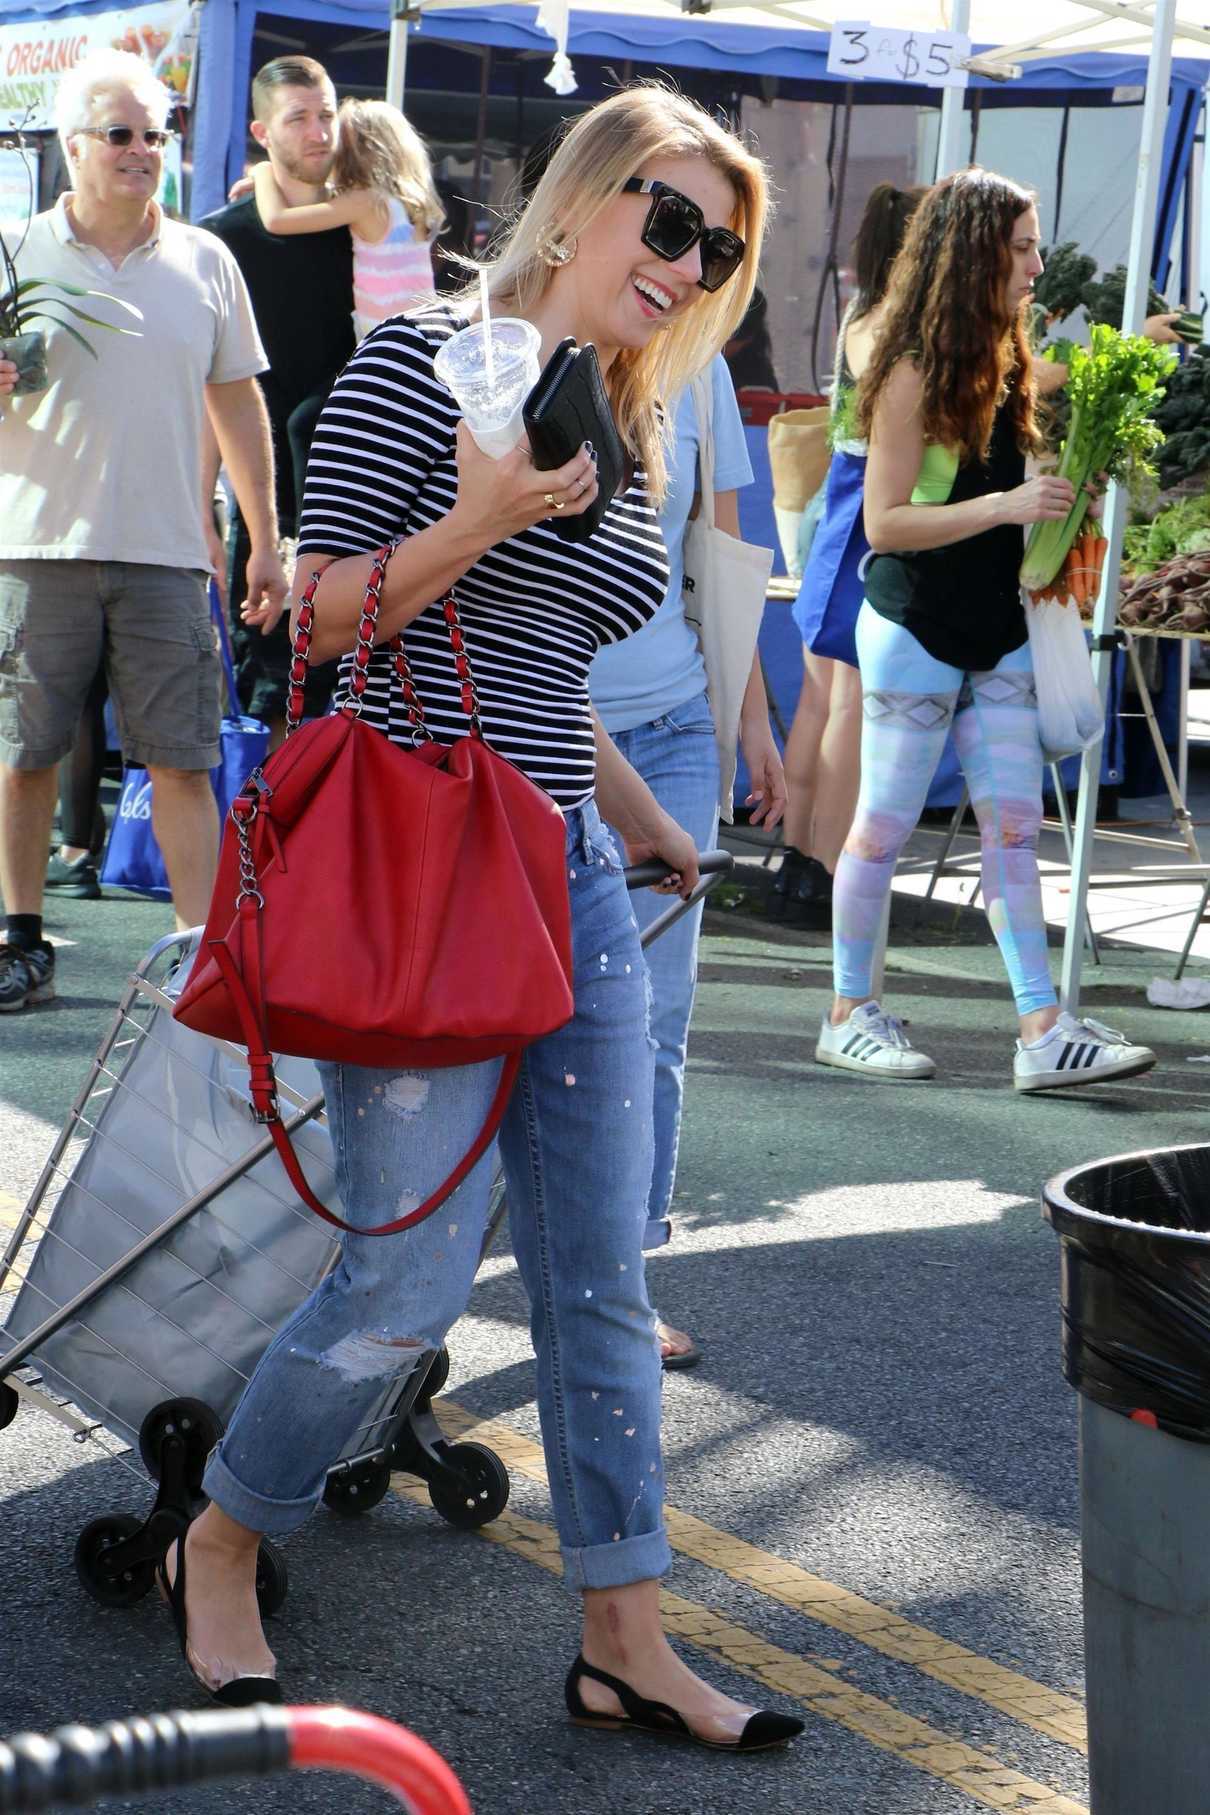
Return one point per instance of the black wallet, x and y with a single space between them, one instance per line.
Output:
567 407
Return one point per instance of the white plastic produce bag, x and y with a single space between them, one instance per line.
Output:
1070 715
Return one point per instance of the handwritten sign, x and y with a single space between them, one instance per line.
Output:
863 52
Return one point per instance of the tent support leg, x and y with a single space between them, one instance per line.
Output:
1142 228
951 153
397 53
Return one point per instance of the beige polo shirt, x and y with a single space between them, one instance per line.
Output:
106 464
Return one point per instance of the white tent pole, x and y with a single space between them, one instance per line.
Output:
1134 308
951 150
397 52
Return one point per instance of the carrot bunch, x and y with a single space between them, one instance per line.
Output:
1079 578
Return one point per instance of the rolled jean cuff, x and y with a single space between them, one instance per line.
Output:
657 1233
617 1565
274 1518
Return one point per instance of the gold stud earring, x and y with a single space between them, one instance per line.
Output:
556 252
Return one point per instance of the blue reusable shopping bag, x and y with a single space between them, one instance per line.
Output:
132 856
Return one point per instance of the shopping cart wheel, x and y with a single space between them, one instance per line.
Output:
111 1587
10 1400
350 1491
438 1374
473 1487
190 1420
272 1578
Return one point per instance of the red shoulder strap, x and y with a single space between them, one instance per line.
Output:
249 1006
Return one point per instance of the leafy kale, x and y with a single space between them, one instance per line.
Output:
1184 416
1060 289
1103 301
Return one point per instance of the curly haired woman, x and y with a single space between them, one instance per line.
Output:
947 402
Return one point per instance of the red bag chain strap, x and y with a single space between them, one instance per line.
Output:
351 706
245 981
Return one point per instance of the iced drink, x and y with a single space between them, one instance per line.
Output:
491 404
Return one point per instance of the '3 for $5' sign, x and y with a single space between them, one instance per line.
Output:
881 53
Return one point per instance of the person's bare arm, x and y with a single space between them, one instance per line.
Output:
241 427
357 208
1050 375
647 830
894 525
211 462
765 772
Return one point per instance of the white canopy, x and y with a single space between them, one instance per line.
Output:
1018 32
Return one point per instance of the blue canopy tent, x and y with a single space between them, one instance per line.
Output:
680 41
723 41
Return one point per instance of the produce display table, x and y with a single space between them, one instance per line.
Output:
1160 875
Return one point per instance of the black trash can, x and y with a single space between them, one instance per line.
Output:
1135 1290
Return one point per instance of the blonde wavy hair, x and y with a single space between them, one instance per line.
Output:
379 149
613 141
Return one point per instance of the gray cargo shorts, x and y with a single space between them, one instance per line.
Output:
149 626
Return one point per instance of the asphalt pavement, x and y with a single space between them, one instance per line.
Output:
871 1477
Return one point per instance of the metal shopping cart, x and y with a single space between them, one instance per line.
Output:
76 1766
159 1252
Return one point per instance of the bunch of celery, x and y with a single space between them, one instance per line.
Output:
1114 386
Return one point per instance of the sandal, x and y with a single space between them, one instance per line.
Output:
241 1691
762 1730
679 1358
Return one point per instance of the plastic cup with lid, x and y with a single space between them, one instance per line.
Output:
490 390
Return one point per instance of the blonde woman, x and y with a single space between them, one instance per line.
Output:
384 195
644 173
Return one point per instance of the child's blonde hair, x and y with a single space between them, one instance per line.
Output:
610 143
379 150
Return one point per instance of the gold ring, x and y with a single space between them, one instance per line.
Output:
560 503
550 501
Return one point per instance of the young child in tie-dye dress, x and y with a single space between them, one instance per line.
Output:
384 194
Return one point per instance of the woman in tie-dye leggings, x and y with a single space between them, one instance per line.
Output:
947 401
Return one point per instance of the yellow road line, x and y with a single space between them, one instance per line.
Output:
1057 1716
978 1775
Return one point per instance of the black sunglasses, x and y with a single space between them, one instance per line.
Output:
154 137
674 224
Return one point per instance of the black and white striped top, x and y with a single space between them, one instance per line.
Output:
534 609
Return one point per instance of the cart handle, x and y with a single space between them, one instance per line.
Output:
342 1739
78 1765
646 875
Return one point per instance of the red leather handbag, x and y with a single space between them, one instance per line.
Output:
382 905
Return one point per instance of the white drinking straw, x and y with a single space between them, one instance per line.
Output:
485 311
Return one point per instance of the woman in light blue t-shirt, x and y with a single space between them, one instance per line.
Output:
650 693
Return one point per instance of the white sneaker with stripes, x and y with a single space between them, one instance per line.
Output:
1077 1052
873 1043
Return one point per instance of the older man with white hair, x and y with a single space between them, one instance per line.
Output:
103 556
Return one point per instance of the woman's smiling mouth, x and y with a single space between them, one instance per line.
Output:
655 299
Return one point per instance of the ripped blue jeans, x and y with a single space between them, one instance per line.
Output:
576 1146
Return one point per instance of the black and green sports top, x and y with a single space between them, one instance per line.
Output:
961 603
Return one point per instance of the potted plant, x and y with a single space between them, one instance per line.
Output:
24 301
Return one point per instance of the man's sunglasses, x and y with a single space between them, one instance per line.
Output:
674 224
154 137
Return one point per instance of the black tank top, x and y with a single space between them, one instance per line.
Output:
962 603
